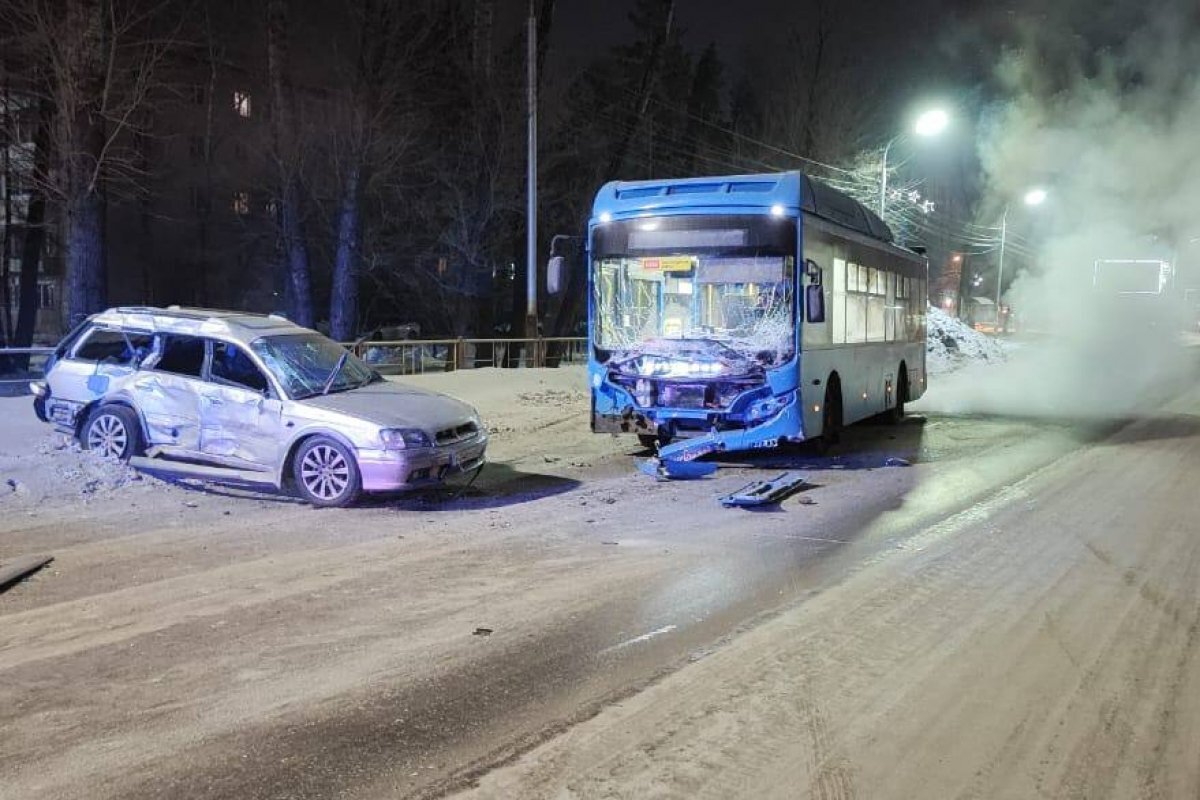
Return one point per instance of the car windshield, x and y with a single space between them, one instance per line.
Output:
302 363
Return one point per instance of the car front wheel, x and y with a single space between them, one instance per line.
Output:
326 473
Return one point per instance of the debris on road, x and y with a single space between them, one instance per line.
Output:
759 493
482 632
897 462
18 568
669 469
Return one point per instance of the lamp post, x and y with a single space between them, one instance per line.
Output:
929 124
1033 197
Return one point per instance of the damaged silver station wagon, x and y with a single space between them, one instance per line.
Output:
250 399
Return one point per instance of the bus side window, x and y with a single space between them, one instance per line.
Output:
839 301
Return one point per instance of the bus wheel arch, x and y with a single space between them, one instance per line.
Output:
831 412
896 412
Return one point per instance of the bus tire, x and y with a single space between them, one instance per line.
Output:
831 416
896 412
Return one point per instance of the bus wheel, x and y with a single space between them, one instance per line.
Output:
896 413
831 418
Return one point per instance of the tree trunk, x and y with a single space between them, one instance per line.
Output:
83 142
295 249
343 307
85 256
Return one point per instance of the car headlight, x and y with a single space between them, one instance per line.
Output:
404 438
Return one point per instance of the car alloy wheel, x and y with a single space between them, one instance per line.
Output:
108 436
325 473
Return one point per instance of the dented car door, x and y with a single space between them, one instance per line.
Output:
168 393
240 419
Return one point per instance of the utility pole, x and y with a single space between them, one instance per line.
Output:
531 266
1000 268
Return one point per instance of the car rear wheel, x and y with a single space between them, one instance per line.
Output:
326 473
112 432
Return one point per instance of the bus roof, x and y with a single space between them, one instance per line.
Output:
795 191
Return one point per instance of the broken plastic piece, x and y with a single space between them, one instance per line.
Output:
759 493
670 469
896 462
691 449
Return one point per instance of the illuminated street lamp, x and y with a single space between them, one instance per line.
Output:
1033 197
929 124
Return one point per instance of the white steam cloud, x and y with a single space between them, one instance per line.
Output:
1114 138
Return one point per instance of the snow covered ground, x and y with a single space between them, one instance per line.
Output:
952 344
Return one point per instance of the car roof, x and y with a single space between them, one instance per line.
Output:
237 326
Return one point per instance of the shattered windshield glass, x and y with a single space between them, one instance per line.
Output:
743 302
662 284
302 363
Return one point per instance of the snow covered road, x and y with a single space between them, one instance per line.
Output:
216 644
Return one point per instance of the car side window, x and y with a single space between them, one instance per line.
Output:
231 365
113 347
182 355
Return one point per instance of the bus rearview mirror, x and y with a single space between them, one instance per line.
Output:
554 275
814 304
813 270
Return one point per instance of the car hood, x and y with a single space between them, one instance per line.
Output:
395 405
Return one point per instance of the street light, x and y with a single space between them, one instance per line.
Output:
1033 197
929 124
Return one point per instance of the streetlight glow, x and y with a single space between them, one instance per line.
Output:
931 123
928 125
1035 197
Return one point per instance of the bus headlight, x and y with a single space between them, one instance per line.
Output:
764 409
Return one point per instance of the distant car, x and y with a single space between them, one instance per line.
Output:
250 399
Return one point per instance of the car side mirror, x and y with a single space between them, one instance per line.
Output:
554 274
814 303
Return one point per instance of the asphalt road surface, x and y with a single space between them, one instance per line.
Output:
1014 614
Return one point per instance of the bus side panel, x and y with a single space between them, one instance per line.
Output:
866 348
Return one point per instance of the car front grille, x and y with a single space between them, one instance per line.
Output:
457 434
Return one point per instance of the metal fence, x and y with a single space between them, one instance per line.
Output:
19 365
415 356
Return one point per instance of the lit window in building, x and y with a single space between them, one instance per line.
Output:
241 203
241 103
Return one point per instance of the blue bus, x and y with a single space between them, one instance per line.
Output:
739 312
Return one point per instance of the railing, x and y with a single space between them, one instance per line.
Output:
415 356
19 366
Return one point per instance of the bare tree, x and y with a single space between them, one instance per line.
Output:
372 134
95 63
288 157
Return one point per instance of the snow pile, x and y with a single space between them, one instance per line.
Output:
952 344
38 466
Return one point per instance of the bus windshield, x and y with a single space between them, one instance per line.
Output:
665 281
744 302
